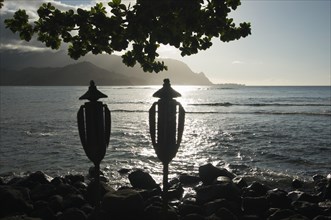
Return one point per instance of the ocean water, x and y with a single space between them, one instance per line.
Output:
271 134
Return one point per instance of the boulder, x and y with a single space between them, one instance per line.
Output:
255 205
217 191
142 180
123 202
73 214
278 199
186 209
92 191
224 213
14 199
188 180
43 192
209 173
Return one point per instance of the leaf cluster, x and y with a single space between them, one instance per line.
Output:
188 25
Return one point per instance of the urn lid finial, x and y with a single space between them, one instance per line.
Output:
93 94
166 92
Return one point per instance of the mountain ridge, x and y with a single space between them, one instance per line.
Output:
46 69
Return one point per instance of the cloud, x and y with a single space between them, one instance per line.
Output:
11 41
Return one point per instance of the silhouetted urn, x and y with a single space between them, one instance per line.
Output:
166 123
94 124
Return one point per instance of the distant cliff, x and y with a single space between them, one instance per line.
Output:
58 69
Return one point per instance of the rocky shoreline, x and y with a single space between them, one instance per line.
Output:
216 194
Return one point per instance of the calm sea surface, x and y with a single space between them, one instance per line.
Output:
264 133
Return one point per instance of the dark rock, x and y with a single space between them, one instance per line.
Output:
175 192
193 216
81 187
224 213
73 201
208 173
14 200
240 182
155 211
74 178
20 217
93 190
213 217
307 209
39 177
57 181
318 178
322 217
64 189
189 180
294 195
256 189
43 213
123 202
73 214
308 198
297 184
87 209
56 203
142 180
123 171
255 205
282 214
42 192
218 191
211 207
278 199
186 209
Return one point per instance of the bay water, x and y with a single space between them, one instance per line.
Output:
271 134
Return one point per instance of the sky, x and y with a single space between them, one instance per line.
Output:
289 44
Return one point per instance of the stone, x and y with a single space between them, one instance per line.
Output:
39 177
188 180
240 182
155 211
186 209
92 191
73 201
175 192
217 191
255 205
224 213
212 207
14 199
19 217
123 171
297 184
42 192
142 180
55 202
64 189
277 198
73 214
282 214
258 188
74 178
43 213
193 216
123 202
208 173
307 209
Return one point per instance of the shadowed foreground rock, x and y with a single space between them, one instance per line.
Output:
218 196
